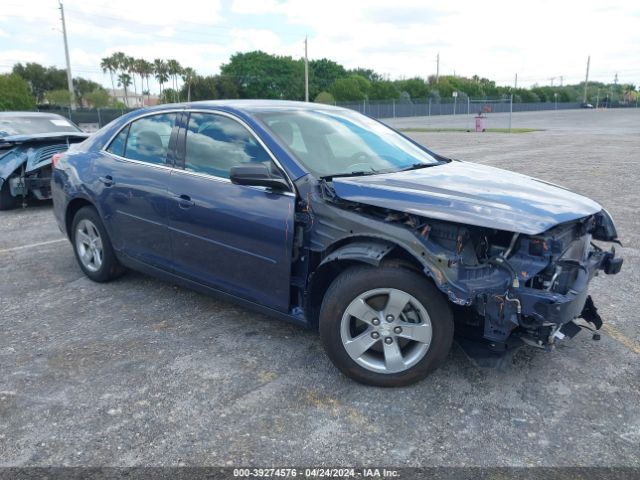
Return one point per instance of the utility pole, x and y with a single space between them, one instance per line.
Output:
552 79
586 81
515 84
306 72
561 80
66 54
437 67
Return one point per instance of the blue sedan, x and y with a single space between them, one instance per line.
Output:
329 219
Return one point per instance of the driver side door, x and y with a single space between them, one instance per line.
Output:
237 239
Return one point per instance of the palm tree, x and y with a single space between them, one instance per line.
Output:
124 80
174 69
129 68
188 74
145 70
108 64
160 71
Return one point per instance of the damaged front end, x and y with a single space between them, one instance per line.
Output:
507 288
529 287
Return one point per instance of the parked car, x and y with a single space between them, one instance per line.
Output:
586 105
28 140
327 218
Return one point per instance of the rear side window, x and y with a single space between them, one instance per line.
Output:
118 143
216 143
148 139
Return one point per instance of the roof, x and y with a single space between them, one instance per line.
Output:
252 105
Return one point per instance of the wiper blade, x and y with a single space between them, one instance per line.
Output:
359 173
416 166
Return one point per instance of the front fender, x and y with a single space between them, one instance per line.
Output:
366 251
11 161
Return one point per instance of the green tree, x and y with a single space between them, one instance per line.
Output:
367 73
188 74
161 73
383 90
353 88
416 87
124 81
325 97
260 75
82 87
58 97
174 69
15 93
99 98
210 87
41 79
227 87
322 74
108 64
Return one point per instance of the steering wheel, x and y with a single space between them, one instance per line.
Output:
361 161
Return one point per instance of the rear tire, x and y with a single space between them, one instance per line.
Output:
385 326
92 247
7 201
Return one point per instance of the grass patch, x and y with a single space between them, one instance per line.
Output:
488 130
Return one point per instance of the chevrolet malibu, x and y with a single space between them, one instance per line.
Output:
330 219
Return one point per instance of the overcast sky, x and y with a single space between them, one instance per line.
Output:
398 38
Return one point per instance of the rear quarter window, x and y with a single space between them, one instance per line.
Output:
118 144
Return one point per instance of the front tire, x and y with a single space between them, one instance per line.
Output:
385 326
92 247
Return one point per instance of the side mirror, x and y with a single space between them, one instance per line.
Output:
257 175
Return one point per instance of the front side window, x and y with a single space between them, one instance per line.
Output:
148 139
339 142
216 143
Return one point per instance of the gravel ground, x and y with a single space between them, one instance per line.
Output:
140 372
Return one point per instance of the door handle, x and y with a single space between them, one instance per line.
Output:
184 201
107 180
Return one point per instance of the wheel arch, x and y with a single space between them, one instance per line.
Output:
72 208
352 251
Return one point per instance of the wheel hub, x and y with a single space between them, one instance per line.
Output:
390 339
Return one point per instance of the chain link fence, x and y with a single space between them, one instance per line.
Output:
93 119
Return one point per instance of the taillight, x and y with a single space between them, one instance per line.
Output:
55 158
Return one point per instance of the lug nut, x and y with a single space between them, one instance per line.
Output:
388 340
389 318
375 335
375 321
397 330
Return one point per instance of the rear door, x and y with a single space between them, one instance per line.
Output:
134 177
234 238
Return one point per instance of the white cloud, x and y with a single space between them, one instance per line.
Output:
494 38
17 55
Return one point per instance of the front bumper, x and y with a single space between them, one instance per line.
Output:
537 314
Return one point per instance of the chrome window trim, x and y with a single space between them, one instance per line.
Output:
148 114
138 162
290 193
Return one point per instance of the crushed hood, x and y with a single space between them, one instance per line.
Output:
471 194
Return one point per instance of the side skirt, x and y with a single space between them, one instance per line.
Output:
136 265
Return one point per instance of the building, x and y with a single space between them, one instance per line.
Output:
133 100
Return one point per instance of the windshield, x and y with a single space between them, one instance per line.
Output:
341 142
26 125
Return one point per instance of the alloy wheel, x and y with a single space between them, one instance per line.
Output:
386 330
